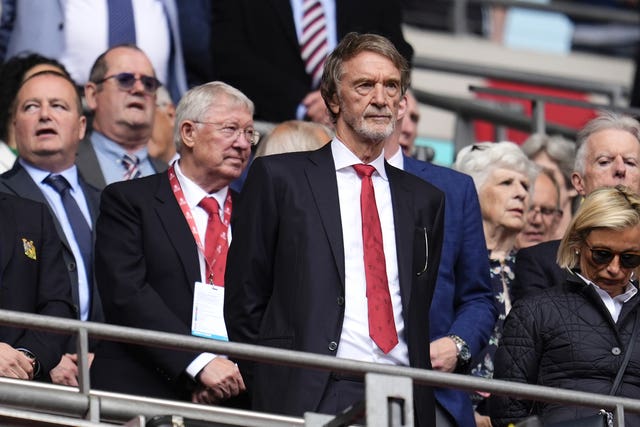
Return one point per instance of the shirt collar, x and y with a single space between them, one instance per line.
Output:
112 149
344 158
39 175
397 159
629 291
193 193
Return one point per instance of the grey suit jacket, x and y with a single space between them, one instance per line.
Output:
89 168
17 181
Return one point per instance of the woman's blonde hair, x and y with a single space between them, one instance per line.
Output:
611 208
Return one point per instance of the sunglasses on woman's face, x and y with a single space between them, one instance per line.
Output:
605 256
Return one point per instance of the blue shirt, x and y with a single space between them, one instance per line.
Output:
110 156
55 203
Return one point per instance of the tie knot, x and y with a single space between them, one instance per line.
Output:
58 182
129 160
364 170
210 205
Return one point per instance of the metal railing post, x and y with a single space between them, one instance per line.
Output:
389 401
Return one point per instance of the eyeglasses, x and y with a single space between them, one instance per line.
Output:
233 132
545 211
127 80
605 256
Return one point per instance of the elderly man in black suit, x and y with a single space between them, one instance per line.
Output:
296 274
608 154
161 252
33 279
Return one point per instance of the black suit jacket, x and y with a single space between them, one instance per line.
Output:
17 181
537 269
146 268
33 278
285 272
89 167
255 47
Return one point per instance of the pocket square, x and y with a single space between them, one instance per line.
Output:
29 248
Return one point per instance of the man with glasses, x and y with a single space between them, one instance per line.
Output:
544 211
161 253
121 93
608 154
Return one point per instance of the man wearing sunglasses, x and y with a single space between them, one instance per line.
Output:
122 95
608 154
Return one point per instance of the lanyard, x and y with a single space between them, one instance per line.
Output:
184 206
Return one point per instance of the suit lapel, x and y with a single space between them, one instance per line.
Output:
88 166
401 199
321 174
7 230
177 230
21 184
285 14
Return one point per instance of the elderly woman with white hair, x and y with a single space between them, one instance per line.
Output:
503 175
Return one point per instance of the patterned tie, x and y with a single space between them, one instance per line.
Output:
215 242
130 163
122 28
382 328
313 44
79 225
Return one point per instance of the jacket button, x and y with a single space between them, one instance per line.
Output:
71 266
333 345
616 351
340 300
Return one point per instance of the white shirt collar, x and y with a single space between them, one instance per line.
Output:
193 193
344 158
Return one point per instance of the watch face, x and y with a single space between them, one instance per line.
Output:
464 354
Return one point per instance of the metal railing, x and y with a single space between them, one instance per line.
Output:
95 405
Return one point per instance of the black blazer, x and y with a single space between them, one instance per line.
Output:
255 47
285 272
146 268
33 278
537 269
17 181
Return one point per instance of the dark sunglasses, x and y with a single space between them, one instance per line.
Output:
127 80
604 256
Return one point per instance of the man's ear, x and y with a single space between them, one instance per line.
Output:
578 183
187 130
334 105
402 107
90 90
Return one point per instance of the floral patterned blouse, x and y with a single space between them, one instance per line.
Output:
502 275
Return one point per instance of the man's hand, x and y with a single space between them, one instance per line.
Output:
14 364
482 420
444 354
66 372
316 108
220 379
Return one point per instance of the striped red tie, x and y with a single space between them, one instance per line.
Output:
382 328
130 164
313 44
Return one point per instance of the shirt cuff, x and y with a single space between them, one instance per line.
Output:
199 363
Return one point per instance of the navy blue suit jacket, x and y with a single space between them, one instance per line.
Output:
463 300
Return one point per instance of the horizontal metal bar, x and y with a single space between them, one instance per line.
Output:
113 404
492 72
42 418
523 94
583 11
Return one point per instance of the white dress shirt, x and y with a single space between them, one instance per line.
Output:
86 34
355 342
193 194
613 304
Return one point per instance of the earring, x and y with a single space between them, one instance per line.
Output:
577 252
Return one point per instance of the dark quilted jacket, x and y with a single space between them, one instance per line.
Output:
564 337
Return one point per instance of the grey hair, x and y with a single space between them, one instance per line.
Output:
481 159
294 135
559 149
604 121
195 104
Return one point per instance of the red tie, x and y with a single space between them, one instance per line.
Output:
382 328
215 242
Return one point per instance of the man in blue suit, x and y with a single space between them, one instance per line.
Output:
462 311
